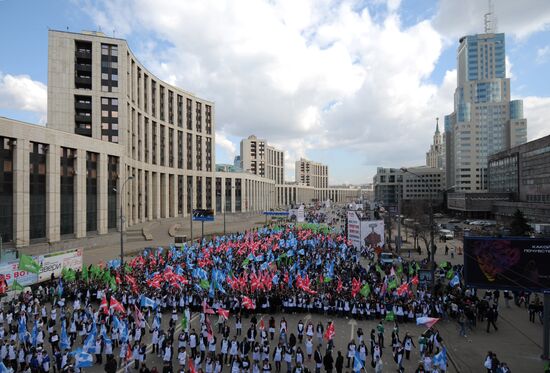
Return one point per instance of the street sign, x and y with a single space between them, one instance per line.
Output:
203 215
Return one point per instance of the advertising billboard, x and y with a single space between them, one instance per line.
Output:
10 271
372 233
507 263
354 229
54 263
301 214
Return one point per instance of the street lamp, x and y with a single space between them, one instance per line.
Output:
432 244
122 225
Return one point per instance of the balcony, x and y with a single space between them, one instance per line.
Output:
83 53
83 131
83 105
83 67
83 82
83 118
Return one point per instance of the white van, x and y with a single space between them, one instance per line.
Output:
447 234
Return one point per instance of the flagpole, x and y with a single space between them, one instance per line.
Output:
122 228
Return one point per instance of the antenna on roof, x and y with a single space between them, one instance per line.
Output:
67 28
114 33
489 19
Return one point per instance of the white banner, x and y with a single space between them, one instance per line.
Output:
55 262
372 233
301 215
10 271
354 229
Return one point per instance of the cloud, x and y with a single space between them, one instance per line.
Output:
537 111
21 93
225 144
518 18
543 54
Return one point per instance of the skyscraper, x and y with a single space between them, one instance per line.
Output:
435 157
484 120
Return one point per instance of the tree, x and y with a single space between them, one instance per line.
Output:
519 225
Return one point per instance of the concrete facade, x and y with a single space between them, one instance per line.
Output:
259 158
311 173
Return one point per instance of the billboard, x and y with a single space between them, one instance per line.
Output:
10 272
354 229
203 215
507 263
372 233
54 263
301 214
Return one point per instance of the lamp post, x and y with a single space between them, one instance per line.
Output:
122 224
431 218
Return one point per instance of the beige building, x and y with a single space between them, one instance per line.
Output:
311 173
117 135
435 157
258 158
295 193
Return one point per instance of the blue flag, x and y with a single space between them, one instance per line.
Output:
83 359
455 281
440 359
148 302
358 364
64 342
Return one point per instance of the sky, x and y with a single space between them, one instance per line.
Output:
353 84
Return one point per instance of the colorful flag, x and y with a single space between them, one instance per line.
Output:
184 322
16 286
27 263
455 281
426 321
365 290
403 289
116 305
248 303
440 359
390 316
104 306
223 313
330 332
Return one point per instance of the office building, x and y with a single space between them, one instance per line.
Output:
258 158
484 120
435 157
311 173
418 183
523 172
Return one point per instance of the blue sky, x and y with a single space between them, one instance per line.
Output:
353 84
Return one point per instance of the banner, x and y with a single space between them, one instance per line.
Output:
372 233
55 262
10 272
507 263
354 229
301 215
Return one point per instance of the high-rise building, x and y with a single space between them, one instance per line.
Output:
435 157
311 173
484 120
258 158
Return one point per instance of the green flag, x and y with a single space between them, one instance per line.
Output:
68 274
365 290
450 274
245 262
392 284
327 279
184 322
379 270
442 264
112 284
27 263
411 270
390 316
16 286
84 273
96 271
205 284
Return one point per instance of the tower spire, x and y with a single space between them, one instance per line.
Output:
437 125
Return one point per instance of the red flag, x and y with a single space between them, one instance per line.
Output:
355 287
248 303
210 334
255 282
207 309
129 355
330 332
223 313
191 364
116 305
139 315
262 324
403 289
414 280
104 306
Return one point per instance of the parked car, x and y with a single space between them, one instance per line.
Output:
447 234
387 258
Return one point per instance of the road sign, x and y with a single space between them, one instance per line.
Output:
203 215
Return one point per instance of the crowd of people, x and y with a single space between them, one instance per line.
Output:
105 313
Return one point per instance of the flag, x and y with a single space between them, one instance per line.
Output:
440 359
147 302
68 274
204 284
104 306
403 289
191 365
207 309
426 321
330 332
358 364
129 356
83 359
27 263
248 303
3 368
365 290
64 342
184 322
116 305
455 281
414 280
34 333
392 284
223 313
16 286
450 274
85 273
390 316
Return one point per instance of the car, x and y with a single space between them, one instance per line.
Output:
387 258
438 215
447 234
454 221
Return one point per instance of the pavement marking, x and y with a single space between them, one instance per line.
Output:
353 324
150 346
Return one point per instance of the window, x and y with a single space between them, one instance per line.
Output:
170 107
37 190
91 191
109 119
189 146
170 147
208 154
180 149
154 143
199 153
161 103
162 144
6 189
83 115
208 119
111 192
109 68
198 192
83 65
180 111
189 114
180 195
67 172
